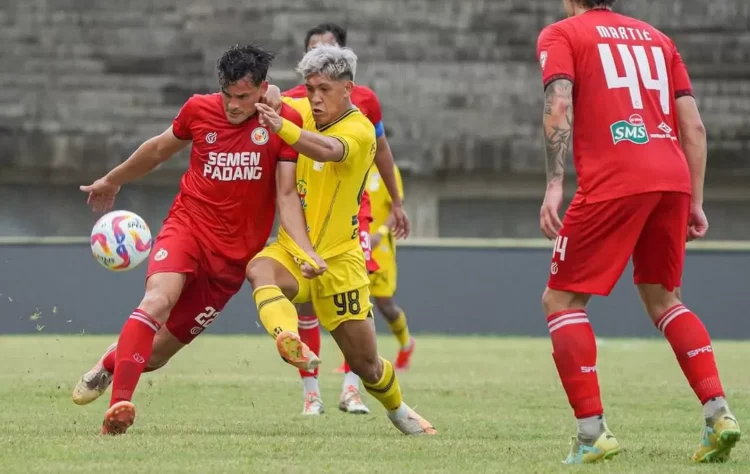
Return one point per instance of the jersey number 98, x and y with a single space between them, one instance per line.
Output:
347 302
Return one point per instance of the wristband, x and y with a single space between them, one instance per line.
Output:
289 132
384 230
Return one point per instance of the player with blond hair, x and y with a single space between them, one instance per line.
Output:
337 147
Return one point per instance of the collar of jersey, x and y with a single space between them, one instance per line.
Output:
341 117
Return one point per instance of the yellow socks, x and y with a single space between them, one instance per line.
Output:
387 390
400 329
276 312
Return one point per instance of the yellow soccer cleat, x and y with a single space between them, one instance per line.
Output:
605 448
719 437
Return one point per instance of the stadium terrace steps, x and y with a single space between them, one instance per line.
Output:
458 81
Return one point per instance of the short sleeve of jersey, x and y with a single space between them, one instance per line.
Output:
286 152
372 105
351 138
183 120
555 55
680 76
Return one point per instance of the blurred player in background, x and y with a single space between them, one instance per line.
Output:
383 281
222 217
640 194
386 186
337 148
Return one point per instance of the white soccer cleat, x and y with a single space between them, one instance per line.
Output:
94 382
313 404
410 423
351 402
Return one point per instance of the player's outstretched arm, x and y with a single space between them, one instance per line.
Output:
386 167
293 218
315 146
558 134
148 156
694 144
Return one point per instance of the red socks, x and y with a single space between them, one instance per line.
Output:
347 369
132 354
309 333
574 352
692 346
109 359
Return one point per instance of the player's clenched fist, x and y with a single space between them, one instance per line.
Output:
102 194
697 223
268 117
309 272
549 217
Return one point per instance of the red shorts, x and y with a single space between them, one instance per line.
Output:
598 239
211 281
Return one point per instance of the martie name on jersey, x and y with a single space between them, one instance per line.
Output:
623 33
240 166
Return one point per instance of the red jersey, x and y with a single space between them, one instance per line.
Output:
365 219
363 98
627 76
228 194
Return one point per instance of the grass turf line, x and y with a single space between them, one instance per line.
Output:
229 404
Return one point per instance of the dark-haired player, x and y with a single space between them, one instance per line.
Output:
219 220
384 172
640 162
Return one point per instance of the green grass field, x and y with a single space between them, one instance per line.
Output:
229 404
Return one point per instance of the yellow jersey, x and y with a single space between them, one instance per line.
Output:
331 192
380 199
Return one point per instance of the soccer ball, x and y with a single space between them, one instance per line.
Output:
120 241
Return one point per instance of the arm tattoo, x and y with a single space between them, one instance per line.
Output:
558 130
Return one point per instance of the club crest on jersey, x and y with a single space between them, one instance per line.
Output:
259 136
543 59
632 130
302 191
211 137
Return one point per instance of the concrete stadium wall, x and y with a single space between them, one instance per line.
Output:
84 83
61 289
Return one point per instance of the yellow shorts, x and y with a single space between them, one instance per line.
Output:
340 294
383 281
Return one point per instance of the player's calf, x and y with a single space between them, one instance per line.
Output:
396 319
356 338
693 350
273 289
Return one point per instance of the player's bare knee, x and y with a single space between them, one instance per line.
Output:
657 299
368 367
266 271
554 301
259 273
158 304
388 308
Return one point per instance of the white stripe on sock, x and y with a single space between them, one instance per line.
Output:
144 320
671 316
566 322
579 314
